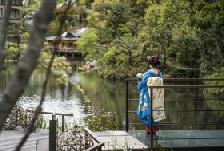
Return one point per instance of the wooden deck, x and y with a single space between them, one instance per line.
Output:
111 139
10 138
183 138
119 140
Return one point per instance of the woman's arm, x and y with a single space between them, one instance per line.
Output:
143 82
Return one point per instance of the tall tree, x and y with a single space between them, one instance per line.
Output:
29 61
209 20
3 31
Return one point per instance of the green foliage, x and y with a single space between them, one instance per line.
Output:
117 16
101 5
102 121
208 19
59 1
75 13
208 14
185 34
215 91
109 57
53 27
12 53
25 36
60 68
92 20
88 43
130 38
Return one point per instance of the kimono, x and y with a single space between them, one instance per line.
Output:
143 110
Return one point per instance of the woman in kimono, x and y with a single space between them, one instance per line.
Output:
143 110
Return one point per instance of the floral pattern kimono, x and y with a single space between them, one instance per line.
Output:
143 110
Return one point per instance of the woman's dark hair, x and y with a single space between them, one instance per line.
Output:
154 61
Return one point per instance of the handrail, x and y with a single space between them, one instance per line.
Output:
61 114
65 114
186 86
98 144
182 123
183 79
194 86
198 110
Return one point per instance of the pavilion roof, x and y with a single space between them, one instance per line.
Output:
66 36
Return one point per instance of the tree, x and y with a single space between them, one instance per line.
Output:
28 62
59 15
3 31
88 43
208 18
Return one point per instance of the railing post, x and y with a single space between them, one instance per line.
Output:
196 107
16 108
196 99
126 108
52 134
151 120
63 123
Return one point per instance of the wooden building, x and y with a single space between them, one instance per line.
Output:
66 46
16 16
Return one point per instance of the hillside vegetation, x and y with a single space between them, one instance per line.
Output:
187 35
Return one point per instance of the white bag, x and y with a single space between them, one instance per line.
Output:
157 98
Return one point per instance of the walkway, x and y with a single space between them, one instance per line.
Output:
134 140
38 140
183 138
119 140
10 138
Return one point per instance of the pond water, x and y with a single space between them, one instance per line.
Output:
83 95
87 93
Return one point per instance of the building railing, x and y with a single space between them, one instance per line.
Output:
86 136
71 54
197 84
56 130
64 50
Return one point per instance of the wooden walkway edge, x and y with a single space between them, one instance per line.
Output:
119 140
10 138
183 138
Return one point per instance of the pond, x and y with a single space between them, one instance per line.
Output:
84 94
87 93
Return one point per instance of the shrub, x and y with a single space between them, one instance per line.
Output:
215 91
102 121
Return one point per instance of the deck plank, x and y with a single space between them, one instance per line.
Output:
183 138
10 138
134 140
119 140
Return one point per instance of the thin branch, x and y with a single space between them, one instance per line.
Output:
3 31
29 61
38 110
43 94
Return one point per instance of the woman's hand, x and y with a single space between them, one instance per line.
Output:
139 76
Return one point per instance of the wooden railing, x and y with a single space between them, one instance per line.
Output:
96 145
175 80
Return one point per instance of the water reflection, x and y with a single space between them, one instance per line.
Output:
103 94
82 96
86 93
185 108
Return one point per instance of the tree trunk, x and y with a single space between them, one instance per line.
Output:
28 62
3 31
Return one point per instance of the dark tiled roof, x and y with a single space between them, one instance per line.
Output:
66 36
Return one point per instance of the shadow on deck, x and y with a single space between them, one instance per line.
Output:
10 138
200 140
186 104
